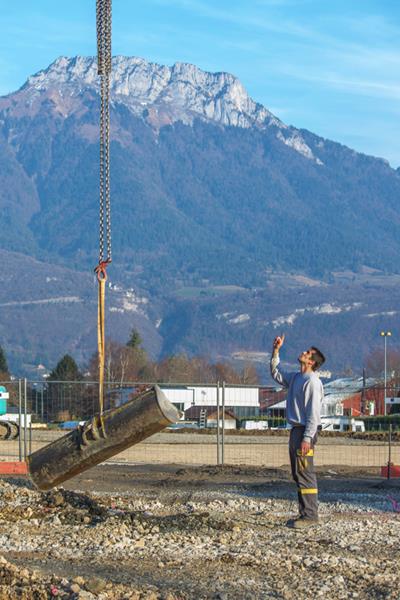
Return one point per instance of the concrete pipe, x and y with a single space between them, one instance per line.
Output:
102 437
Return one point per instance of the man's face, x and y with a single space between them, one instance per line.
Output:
305 358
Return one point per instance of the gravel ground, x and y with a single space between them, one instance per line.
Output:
192 533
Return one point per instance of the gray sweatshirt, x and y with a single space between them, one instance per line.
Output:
304 398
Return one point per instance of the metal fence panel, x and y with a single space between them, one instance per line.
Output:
53 408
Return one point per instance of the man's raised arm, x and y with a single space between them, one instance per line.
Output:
276 373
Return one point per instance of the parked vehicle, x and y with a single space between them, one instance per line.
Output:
9 423
342 423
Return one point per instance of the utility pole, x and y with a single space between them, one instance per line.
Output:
385 335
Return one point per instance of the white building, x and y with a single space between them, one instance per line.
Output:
341 423
242 401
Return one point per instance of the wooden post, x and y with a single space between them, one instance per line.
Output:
102 437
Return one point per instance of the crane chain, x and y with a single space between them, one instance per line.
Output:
104 60
104 63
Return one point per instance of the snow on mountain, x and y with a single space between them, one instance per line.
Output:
326 308
161 95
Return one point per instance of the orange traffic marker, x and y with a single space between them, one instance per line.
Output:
394 471
13 468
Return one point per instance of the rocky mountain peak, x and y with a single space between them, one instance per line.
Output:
160 94
180 92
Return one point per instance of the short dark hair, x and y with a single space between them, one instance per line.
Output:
317 357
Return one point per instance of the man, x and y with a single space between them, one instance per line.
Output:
303 406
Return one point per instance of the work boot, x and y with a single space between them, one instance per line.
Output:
303 522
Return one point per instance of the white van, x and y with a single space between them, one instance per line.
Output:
341 423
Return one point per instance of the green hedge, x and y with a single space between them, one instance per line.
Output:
381 423
378 423
272 421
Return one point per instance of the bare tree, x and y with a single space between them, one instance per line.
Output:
225 372
249 375
123 363
176 369
375 363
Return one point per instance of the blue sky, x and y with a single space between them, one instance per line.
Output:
331 66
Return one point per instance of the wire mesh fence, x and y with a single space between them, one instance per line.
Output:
221 423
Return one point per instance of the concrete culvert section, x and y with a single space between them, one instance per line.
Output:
102 437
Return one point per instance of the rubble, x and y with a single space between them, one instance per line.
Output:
194 542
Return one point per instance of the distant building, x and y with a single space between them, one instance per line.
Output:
210 416
352 397
240 401
270 396
347 396
341 423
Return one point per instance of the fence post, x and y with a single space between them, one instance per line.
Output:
218 416
41 405
223 425
20 418
25 415
30 437
389 452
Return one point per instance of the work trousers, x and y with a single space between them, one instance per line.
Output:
304 474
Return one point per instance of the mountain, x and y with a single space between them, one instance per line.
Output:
212 197
47 310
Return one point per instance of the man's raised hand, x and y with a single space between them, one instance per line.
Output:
278 342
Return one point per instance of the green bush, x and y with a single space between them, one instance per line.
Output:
382 422
272 421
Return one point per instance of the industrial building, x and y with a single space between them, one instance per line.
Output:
240 401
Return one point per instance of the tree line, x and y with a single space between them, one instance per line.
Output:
131 363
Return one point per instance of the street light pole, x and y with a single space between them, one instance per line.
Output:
385 335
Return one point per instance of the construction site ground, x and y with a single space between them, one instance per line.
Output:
256 448
191 532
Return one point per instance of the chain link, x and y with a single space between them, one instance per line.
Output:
104 62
